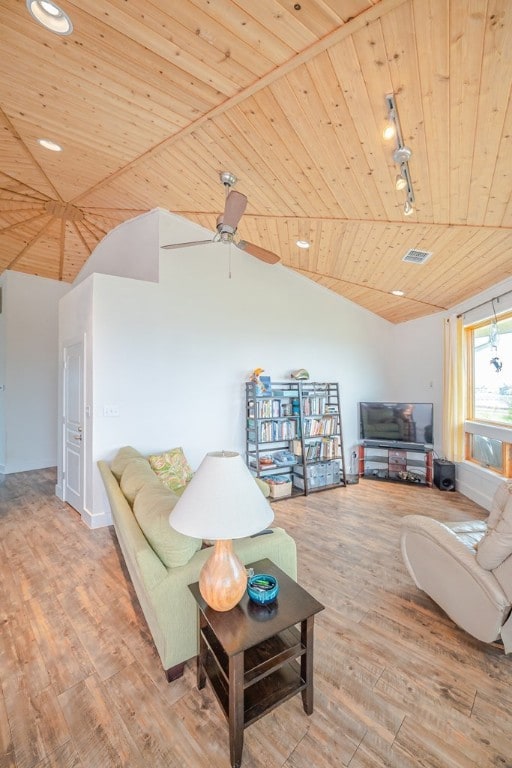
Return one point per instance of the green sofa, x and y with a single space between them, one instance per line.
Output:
162 563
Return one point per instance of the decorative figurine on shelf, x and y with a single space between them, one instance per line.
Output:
262 384
255 375
300 374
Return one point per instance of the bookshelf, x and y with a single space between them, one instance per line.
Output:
294 437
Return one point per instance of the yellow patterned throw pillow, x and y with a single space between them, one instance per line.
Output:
172 468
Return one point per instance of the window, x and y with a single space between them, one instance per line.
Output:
489 393
491 367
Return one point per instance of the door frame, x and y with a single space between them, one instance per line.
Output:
79 341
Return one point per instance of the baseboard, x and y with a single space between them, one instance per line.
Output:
59 492
477 483
96 521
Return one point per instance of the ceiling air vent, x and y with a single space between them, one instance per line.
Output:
414 256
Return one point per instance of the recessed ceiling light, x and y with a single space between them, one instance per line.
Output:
398 293
48 144
52 17
302 244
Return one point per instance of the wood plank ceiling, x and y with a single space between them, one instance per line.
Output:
151 100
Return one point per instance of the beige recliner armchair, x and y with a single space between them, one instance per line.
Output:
466 567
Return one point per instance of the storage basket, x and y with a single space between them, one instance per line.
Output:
280 490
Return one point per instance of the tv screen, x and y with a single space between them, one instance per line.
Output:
397 422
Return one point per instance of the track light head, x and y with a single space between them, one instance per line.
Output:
389 131
401 157
400 182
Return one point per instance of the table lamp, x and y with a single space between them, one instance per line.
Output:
222 502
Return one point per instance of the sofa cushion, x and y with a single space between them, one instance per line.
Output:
123 456
496 545
136 474
172 468
152 507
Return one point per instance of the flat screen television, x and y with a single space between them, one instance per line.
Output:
397 423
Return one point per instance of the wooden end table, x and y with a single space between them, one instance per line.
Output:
254 656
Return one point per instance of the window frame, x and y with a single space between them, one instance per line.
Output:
483 427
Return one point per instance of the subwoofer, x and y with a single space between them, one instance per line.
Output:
444 474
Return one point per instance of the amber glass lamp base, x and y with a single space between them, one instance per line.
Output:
223 578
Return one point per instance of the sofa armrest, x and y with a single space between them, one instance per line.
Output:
503 575
446 569
443 538
131 540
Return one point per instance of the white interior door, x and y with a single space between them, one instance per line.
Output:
73 464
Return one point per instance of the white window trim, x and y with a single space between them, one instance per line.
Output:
492 431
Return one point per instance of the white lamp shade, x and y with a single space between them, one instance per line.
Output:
222 501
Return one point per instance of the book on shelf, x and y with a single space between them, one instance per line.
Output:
324 425
276 431
312 405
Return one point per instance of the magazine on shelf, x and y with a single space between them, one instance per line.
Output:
263 386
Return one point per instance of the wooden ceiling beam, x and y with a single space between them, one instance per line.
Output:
28 154
30 244
22 223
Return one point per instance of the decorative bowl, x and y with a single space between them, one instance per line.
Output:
262 588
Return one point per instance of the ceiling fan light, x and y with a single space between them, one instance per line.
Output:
408 209
49 15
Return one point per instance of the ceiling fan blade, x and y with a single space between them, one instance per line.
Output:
258 252
234 209
185 245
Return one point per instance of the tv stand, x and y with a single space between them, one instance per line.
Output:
409 463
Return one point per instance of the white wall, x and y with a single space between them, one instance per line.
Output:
418 350
2 382
476 482
29 341
417 354
117 255
173 357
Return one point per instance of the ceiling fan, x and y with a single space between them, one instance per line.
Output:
227 224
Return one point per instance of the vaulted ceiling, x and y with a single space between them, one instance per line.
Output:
150 100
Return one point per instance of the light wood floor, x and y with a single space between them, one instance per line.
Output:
396 683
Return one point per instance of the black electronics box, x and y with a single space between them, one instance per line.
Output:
444 475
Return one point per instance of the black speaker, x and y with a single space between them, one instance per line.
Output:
444 474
